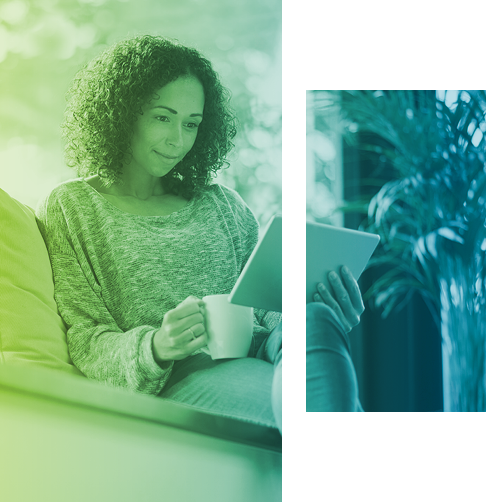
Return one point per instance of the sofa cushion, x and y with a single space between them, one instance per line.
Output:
31 330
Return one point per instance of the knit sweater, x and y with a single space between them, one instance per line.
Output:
117 274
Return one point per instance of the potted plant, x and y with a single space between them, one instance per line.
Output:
431 217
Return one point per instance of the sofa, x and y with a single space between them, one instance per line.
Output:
32 333
71 435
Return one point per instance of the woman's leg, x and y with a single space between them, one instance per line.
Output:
271 351
331 378
238 388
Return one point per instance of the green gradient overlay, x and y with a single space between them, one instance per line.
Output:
53 449
76 440
43 44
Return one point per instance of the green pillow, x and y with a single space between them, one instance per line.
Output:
31 330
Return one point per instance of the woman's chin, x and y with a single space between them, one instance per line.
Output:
160 172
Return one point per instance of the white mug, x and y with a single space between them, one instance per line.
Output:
229 327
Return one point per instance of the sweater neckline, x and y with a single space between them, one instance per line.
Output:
112 207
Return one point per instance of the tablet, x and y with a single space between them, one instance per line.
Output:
260 282
329 248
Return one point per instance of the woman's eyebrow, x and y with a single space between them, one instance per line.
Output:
174 112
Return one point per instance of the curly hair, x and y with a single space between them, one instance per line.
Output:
107 96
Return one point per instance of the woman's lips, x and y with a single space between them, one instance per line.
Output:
168 157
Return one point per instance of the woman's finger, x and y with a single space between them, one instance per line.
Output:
353 289
197 343
329 300
193 332
188 322
187 308
342 296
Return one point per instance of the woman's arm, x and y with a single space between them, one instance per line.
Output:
115 352
182 332
97 345
267 319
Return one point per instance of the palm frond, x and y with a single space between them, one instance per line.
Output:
436 200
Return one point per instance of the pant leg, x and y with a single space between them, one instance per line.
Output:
237 388
271 351
331 383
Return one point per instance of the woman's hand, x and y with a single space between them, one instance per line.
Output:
345 298
182 332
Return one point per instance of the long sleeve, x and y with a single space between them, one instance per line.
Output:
98 346
116 274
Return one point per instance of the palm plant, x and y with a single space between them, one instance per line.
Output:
431 218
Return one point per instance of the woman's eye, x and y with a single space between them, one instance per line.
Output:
192 125
162 118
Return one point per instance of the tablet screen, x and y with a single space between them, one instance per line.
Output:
329 248
260 282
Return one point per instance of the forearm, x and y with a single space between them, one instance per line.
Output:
267 318
98 346
120 359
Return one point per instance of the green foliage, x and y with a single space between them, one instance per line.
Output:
435 203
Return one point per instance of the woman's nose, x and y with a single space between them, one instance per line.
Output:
174 135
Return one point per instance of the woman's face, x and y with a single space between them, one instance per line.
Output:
167 130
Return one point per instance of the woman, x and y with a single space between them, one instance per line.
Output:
331 383
143 235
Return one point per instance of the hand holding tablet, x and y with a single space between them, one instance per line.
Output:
345 299
328 249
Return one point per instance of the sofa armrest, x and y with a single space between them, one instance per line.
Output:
65 437
79 391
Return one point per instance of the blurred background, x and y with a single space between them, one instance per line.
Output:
43 43
410 166
397 359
